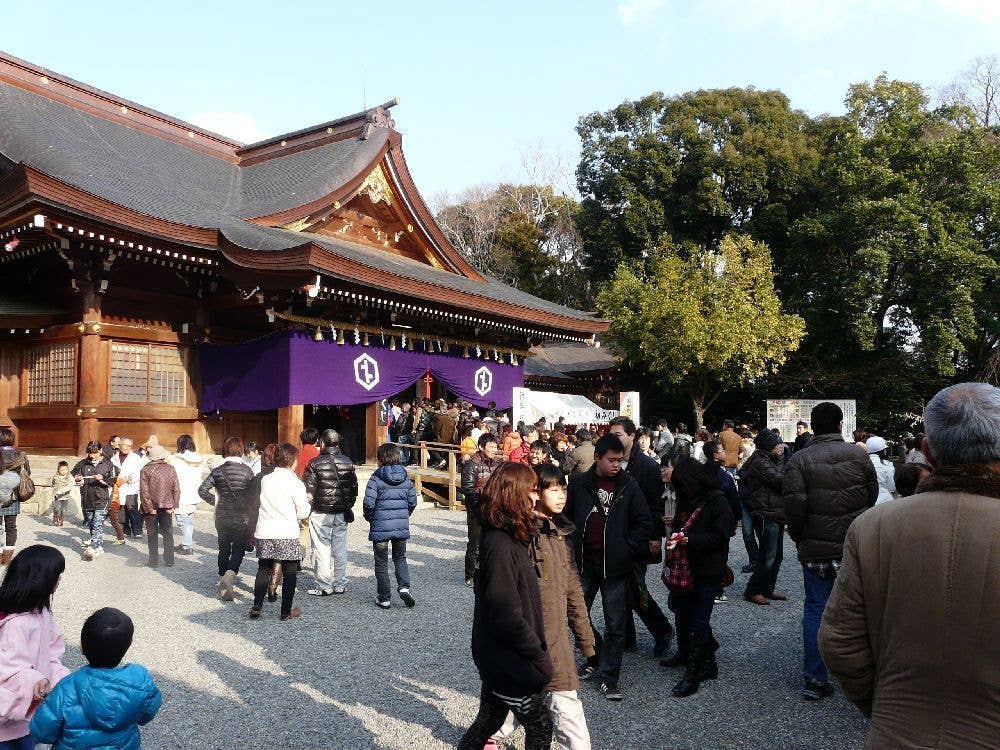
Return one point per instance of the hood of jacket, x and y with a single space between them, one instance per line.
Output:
110 699
558 525
190 457
393 474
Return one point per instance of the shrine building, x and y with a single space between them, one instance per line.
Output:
158 279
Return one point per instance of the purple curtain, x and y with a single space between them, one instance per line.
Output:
290 368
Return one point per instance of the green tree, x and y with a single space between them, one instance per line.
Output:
705 320
690 169
889 266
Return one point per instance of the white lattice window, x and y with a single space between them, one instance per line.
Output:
51 373
167 376
146 373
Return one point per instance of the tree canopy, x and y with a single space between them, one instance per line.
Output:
882 224
705 321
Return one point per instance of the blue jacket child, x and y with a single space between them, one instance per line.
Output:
101 705
98 708
390 498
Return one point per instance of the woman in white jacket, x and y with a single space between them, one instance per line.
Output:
275 525
884 468
189 465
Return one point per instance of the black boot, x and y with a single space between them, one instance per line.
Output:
683 649
710 668
692 673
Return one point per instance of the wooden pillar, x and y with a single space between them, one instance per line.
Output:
93 378
375 432
291 422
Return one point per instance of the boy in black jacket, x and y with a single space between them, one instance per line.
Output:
613 528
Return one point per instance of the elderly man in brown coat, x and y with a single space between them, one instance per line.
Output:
912 628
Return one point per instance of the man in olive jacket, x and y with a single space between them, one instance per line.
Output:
613 528
825 488
912 628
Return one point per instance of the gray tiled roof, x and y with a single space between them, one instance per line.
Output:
538 368
568 356
170 181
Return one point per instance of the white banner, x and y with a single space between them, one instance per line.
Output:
629 401
784 413
530 406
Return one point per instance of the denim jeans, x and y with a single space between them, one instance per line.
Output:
616 599
95 523
382 567
644 605
817 593
328 534
404 453
694 612
185 525
21 743
749 537
772 541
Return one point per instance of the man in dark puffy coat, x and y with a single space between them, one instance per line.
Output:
613 529
231 481
762 474
825 488
475 472
332 488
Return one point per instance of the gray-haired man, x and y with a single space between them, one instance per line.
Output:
912 628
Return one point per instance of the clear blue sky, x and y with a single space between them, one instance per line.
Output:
483 83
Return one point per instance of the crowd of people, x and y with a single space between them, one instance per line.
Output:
892 589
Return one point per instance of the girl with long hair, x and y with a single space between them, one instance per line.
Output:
31 644
508 637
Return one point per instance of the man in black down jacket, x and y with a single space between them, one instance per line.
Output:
647 475
826 487
762 474
332 488
613 529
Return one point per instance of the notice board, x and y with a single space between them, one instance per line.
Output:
783 413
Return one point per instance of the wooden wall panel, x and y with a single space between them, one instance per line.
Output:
48 436
10 381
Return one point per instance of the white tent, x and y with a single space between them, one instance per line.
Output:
530 406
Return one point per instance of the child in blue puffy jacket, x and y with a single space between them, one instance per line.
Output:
103 704
390 498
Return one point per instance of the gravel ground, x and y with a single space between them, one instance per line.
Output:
348 675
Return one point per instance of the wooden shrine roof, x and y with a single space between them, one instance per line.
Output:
104 157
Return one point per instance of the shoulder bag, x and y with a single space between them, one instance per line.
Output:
677 574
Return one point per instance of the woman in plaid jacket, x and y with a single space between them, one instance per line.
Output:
706 541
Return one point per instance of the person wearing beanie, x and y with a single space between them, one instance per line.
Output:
761 479
884 468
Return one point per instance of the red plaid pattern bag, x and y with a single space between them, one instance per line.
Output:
676 567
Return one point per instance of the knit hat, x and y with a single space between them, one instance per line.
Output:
766 440
158 453
875 444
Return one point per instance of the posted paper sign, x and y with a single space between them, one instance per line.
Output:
786 412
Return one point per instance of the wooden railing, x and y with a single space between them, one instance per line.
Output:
423 474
